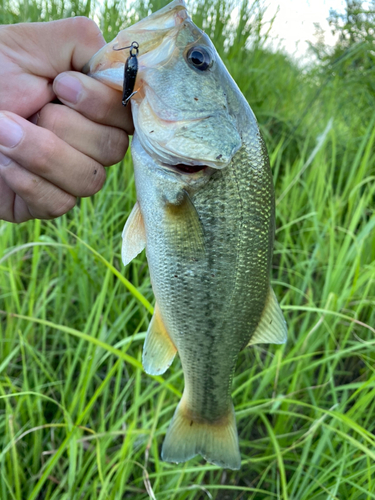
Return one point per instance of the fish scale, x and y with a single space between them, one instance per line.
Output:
242 307
216 320
205 214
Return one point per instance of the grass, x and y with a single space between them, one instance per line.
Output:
79 419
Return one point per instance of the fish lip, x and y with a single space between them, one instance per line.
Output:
169 116
154 29
163 113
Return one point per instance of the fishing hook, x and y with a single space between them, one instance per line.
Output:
130 72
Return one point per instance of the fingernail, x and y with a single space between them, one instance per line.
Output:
4 160
10 132
67 88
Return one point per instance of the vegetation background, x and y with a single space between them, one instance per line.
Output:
79 419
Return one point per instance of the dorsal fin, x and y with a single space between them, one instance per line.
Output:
158 350
133 236
271 328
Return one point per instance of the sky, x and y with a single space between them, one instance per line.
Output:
295 20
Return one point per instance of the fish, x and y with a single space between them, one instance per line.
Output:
205 213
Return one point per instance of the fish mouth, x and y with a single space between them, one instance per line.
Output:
188 171
170 135
155 35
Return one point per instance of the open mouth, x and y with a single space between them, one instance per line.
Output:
189 169
182 168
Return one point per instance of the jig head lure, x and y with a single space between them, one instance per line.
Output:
130 72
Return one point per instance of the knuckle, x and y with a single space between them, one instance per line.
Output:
85 25
46 154
96 182
102 112
50 117
87 30
30 188
115 144
60 206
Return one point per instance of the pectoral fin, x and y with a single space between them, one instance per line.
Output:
185 228
133 236
158 349
271 328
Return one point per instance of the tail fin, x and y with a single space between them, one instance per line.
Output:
217 442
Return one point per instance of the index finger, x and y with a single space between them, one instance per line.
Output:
93 99
47 49
33 54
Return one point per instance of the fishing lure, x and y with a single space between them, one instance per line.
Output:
130 72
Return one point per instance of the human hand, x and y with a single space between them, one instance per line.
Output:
49 153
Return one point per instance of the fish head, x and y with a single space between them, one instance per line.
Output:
182 108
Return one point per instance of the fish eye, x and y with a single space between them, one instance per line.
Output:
199 57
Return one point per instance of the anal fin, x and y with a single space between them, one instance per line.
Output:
158 350
272 327
133 236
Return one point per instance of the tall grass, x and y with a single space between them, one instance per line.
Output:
79 419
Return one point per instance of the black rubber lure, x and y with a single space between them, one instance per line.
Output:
130 72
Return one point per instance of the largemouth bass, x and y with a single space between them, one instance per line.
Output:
205 214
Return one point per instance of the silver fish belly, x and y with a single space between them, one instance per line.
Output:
211 294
